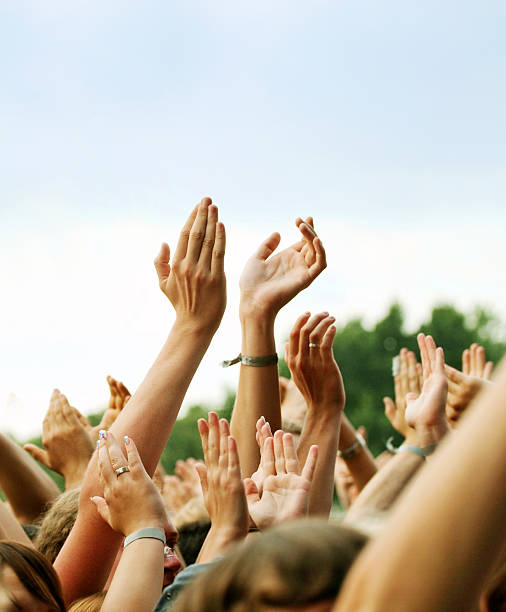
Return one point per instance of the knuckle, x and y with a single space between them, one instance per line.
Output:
196 235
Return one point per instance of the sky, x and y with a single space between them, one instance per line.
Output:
383 120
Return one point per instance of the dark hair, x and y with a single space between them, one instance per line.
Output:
35 573
191 538
296 564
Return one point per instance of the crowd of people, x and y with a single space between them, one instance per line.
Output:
253 527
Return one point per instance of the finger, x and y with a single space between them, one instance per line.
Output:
234 467
466 362
218 259
213 449
204 436
268 457
403 376
389 408
294 340
198 232
279 456
268 246
424 355
184 236
431 347
224 433
38 453
487 370
309 467
308 235
474 364
202 472
102 507
307 330
309 224
412 374
291 461
162 265
104 462
328 342
321 259
134 461
123 391
116 455
82 419
316 336
439 365
251 491
480 361
209 238
419 371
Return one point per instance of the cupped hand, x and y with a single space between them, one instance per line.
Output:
195 282
311 361
131 500
119 396
66 440
285 494
269 281
426 413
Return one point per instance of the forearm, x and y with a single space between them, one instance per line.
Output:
216 543
361 465
137 583
321 427
421 531
10 529
25 484
385 486
258 391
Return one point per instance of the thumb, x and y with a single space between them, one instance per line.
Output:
389 407
102 508
251 491
162 263
38 453
268 246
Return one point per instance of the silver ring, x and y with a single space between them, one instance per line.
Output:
313 345
121 470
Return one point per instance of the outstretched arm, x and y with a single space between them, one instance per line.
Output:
25 484
268 282
421 531
195 285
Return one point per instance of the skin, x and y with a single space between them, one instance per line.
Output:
14 597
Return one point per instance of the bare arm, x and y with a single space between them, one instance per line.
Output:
10 529
421 531
361 463
267 283
25 484
195 284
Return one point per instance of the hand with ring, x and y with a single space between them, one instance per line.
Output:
131 500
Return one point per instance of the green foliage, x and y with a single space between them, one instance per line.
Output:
365 358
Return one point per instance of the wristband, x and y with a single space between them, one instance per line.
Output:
247 360
147 532
410 448
352 450
425 451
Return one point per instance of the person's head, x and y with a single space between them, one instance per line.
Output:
300 565
92 603
28 581
57 523
191 538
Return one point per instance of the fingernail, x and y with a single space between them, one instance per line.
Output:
98 442
126 439
102 434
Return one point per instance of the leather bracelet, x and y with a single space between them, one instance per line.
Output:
352 450
147 532
248 360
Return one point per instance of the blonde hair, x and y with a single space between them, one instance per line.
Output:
57 523
91 603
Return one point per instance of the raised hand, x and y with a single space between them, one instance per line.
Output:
474 362
268 281
426 413
222 486
131 500
285 494
66 439
195 282
311 361
119 396
266 465
408 378
187 472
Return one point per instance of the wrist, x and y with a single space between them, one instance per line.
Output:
257 336
134 526
249 310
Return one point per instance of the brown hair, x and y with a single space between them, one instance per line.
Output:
295 564
35 573
92 603
57 523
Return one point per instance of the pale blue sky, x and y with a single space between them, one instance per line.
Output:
385 120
